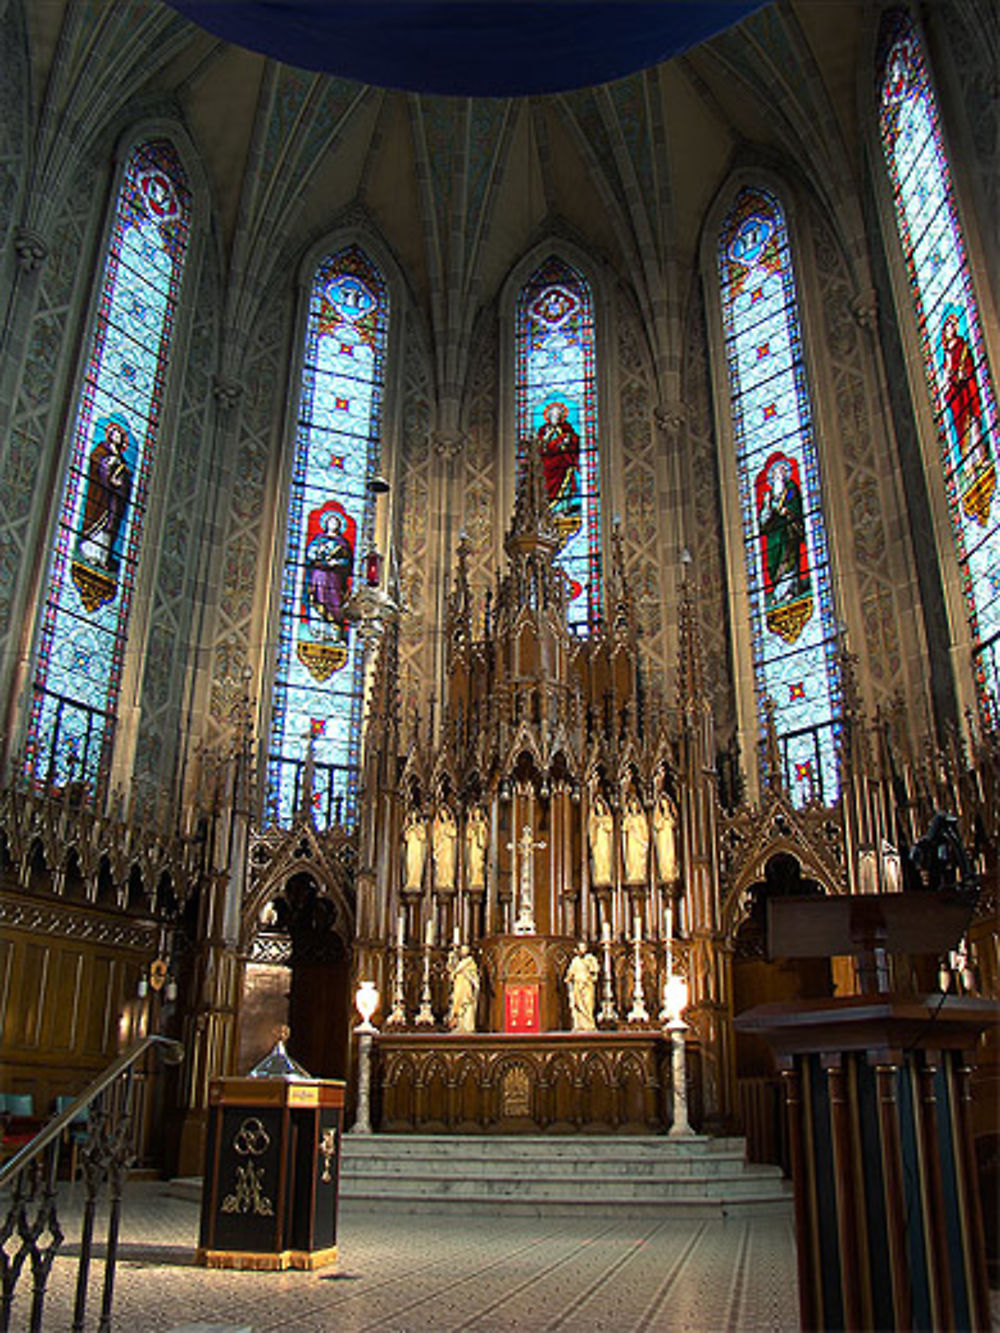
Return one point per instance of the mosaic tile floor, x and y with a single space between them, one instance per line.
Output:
418 1272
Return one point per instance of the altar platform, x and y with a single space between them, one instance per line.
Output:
615 1082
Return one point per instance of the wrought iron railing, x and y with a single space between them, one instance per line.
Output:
31 1233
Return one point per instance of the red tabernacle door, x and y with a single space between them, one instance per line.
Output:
521 1009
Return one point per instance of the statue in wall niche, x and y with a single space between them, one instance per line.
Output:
464 975
581 986
665 838
476 836
415 844
444 839
601 832
635 842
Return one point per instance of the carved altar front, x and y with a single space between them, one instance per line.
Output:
503 1083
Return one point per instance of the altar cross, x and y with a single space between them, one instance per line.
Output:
525 923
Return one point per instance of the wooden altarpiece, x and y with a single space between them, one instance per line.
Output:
543 804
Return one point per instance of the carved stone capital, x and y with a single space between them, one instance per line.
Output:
31 249
864 308
670 418
227 392
448 444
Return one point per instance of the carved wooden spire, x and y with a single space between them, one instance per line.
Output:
459 614
691 692
532 520
622 621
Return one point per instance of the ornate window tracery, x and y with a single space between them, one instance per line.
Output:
956 368
793 627
556 402
84 633
319 678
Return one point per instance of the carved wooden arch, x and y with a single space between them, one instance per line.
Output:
329 878
436 1066
601 1061
498 1068
524 743
630 1062
559 1064
397 1067
734 908
469 1063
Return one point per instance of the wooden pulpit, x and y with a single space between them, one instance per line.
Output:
888 1225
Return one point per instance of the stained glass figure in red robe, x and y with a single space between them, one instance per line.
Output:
961 391
559 446
329 559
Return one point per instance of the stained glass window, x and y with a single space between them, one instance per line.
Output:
557 414
956 369
99 531
319 679
788 576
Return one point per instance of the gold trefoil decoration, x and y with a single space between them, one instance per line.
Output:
251 1139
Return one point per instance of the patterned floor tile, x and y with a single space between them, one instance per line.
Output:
400 1273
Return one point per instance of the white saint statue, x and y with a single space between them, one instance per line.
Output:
581 985
475 849
444 838
635 842
665 838
601 830
464 976
415 851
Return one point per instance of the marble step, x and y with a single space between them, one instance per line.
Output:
524 1146
581 1168
542 1176
356 1184
766 1205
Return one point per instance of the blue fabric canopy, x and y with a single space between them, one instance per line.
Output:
473 48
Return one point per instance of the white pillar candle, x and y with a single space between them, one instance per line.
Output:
429 931
401 930
605 932
637 927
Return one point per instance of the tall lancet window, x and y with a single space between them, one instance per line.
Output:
319 680
84 632
788 576
556 394
963 397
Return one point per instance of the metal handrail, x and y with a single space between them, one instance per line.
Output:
30 1233
173 1053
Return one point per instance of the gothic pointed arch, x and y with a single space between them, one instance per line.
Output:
550 306
959 384
85 628
330 516
784 613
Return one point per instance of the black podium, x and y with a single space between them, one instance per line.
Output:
271 1173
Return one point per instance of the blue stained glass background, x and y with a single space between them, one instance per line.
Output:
941 285
81 651
336 453
556 362
772 414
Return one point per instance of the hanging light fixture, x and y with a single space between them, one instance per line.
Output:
370 608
